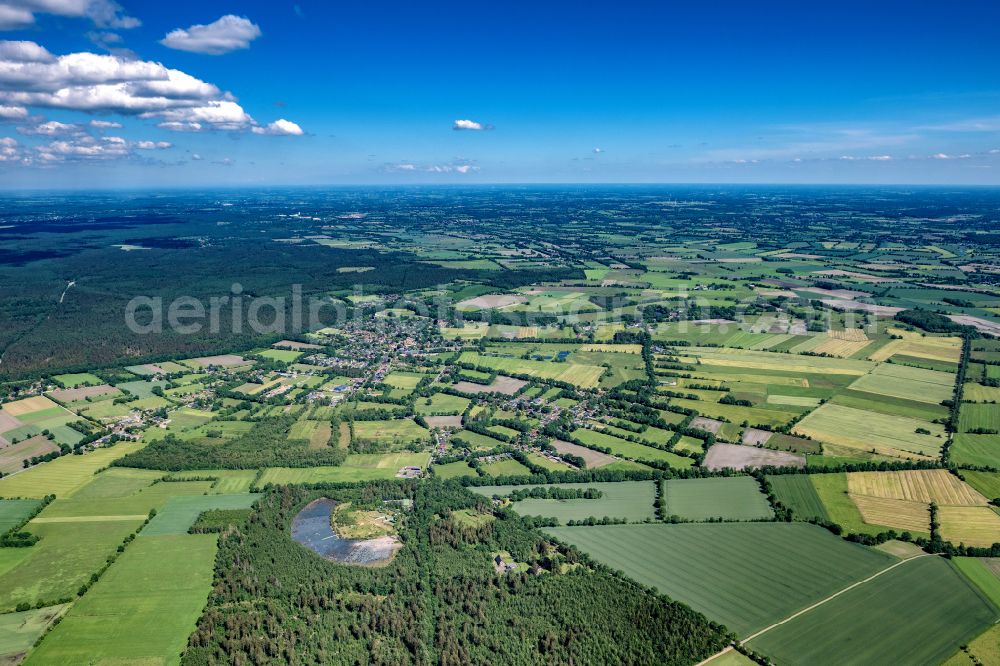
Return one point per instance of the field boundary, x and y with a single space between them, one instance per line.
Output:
832 597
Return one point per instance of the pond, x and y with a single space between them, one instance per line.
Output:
311 528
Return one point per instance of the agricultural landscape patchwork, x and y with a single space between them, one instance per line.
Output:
501 425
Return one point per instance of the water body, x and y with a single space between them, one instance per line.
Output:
311 528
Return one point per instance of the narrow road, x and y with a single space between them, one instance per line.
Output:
832 596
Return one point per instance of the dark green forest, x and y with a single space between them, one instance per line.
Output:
439 601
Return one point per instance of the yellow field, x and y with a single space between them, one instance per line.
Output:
912 344
849 334
925 485
971 525
896 513
63 476
842 348
28 405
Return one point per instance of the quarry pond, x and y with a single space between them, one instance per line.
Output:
312 528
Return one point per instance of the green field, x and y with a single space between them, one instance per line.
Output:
453 470
969 449
797 492
918 613
862 430
744 575
441 403
19 631
13 512
64 558
631 500
64 475
78 379
228 481
986 483
900 381
736 498
981 576
397 431
282 355
180 512
357 467
978 416
832 492
505 467
143 608
584 376
629 449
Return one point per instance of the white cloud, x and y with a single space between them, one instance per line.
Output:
96 83
196 156
51 128
598 151
280 127
13 112
153 145
9 150
105 124
229 33
17 14
470 125
410 167
84 148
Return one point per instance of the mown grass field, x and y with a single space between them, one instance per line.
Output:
357 467
143 608
862 430
453 470
441 403
971 525
977 450
927 485
64 475
505 467
736 498
974 415
745 576
402 431
918 613
631 500
900 381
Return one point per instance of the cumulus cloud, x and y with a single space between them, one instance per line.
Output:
84 148
470 125
9 150
598 151
280 127
32 76
13 112
17 14
153 145
105 124
229 33
51 128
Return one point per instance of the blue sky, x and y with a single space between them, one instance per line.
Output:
317 92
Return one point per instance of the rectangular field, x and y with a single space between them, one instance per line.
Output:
357 467
631 500
734 498
64 475
926 485
738 574
629 449
583 376
143 608
894 436
917 613
797 492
